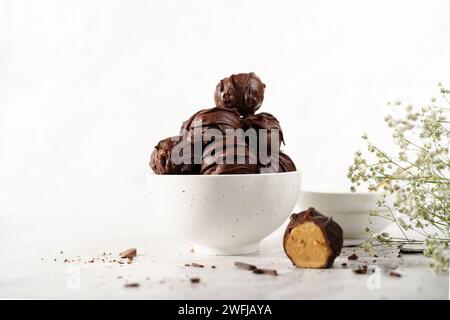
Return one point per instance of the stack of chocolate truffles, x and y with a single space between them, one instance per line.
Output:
227 139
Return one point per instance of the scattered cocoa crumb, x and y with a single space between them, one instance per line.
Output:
245 266
120 262
344 264
395 274
399 256
54 259
197 265
353 257
195 280
129 253
375 256
213 267
360 269
65 261
187 265
266 271
61 252
132 285
373 261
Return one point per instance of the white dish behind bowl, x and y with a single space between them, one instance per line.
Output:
224 214
350 210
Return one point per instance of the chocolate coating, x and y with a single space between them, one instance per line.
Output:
161 160
285 164
213 118
243 91
215 158
263 120
331 231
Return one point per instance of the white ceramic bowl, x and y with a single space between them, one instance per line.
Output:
224 214
350 210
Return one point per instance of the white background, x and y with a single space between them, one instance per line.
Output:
87 88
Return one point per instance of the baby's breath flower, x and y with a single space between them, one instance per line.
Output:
418 178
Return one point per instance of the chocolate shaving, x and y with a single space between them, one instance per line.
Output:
411 251
132 285
353 257
266 271
129 253
395 274
245 266
360 269
197 265
195 280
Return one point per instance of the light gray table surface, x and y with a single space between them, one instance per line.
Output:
29 270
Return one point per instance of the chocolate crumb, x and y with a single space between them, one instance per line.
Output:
344 264
411 251
373 261
360 269
132 285
245 266
213 267
399 256
353 257
129 253
187 265
197 265
61 252
195 280
65 261
395 274
375 256
266 271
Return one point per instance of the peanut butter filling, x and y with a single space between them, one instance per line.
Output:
307 246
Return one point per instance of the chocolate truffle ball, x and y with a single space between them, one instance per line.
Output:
162 159
213 118
285 164
312 240
243 91
220 157
265 121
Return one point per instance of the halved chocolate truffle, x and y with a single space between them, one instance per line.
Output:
214 118
285 164
243 91
312 240
222 157
162 160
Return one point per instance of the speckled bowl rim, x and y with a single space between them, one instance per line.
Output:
218 176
